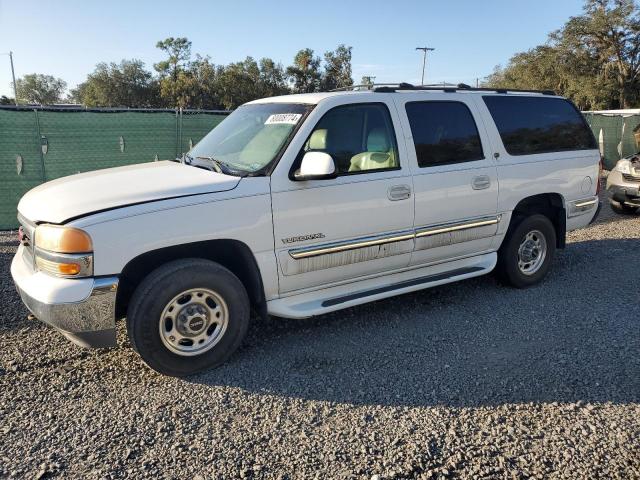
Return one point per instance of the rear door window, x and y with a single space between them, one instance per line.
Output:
443 133
530 125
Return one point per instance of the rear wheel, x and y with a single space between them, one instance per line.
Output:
187 316
525 256
622 209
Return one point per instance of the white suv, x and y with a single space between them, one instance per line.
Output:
300 205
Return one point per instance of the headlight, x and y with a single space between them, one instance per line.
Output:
63 251
623 166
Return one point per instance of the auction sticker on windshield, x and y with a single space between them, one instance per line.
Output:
286 118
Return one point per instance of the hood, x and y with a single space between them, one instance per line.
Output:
82 194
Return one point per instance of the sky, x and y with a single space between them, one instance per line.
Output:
66 38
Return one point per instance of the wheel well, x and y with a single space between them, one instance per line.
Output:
550 205
231 254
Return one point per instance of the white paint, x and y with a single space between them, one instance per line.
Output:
68 197
177 204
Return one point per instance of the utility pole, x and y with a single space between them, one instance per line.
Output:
13 75
424 58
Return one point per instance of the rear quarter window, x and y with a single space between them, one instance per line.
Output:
530 125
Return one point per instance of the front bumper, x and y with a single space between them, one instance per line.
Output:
622 190
81 309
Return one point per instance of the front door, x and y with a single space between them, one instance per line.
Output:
357 224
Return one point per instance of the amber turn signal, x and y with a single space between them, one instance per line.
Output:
68 268
59 239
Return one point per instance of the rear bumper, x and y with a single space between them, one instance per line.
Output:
88 320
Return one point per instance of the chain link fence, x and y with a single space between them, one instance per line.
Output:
38 144
617 133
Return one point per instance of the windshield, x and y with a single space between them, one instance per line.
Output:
252 136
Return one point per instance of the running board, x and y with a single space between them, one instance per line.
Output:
399 286
312 302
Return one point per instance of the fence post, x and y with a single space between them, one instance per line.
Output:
178 131
39 143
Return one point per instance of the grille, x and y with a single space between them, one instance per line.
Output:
631 178
28 231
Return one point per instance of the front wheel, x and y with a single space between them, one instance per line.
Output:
525 256
187 316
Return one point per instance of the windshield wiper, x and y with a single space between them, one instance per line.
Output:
222 167
185 159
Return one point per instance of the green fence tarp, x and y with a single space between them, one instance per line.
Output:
614 134
38 145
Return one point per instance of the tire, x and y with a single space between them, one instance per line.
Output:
190 300
523 268
621 208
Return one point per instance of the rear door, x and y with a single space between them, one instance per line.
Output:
358 224
454 176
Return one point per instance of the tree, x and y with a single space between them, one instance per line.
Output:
305 72
204 85
127 84
176 81
368 81
272 78
609 30
594 59
337 70
4 100
40 89
238 83
244 81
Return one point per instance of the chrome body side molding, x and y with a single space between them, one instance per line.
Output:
582 206
338 247
454 227
334 254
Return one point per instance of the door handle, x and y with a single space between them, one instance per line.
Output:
481 182
399 192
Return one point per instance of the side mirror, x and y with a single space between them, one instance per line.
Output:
316 166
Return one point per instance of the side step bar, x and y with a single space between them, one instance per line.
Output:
320 301
399 286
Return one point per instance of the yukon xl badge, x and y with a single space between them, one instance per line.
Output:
303 238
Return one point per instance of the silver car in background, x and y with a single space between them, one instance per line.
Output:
623 183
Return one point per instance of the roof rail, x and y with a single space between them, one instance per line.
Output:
366 86
387 88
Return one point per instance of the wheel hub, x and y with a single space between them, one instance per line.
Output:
532 252
193 322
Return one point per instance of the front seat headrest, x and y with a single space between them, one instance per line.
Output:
318 139
377 141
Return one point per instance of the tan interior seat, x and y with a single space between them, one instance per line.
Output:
318 140
379 153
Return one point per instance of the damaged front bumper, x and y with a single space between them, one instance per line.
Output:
81 309
624 188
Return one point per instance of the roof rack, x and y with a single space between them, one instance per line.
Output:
394 87
364 86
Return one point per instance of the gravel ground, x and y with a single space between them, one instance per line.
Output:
470 380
